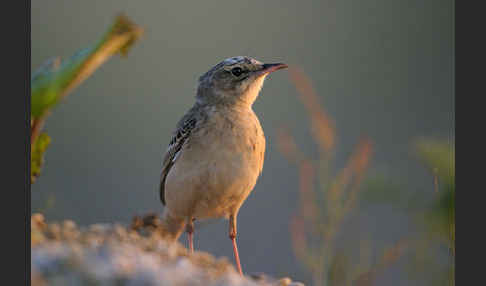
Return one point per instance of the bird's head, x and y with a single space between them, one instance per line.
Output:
234 80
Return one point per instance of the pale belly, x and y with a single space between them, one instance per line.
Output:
215 173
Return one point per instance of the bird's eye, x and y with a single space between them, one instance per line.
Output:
237 71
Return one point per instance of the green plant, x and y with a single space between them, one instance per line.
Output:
438 220
55 79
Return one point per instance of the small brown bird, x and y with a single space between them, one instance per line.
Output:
216 154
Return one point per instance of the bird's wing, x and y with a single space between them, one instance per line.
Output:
184 129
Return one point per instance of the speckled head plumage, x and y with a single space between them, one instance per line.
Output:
234 80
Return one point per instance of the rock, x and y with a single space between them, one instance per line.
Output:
106 254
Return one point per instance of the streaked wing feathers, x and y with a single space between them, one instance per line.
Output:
175 146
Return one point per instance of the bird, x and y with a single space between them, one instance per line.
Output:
217 150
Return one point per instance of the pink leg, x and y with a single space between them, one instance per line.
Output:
232 236
190 231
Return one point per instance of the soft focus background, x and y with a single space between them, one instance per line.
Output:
384 69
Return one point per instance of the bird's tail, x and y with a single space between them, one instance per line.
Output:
171 227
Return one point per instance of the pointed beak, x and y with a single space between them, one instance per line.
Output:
268 68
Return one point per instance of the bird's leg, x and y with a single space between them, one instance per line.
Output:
232 236
190 231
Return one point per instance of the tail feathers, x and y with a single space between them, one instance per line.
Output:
171 226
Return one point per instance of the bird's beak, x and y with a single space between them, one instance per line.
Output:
268 68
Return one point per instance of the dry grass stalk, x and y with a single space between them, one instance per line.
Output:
390 256
314 228
323 128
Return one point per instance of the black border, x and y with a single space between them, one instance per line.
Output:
15 138
27 147
469 80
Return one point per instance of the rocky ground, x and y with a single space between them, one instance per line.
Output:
113 254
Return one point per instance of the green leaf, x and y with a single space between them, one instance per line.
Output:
439 156
55 79
52 81
37 155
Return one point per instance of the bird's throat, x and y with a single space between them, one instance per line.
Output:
251 93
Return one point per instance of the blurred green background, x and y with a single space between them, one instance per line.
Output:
384 69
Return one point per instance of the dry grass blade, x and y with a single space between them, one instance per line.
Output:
354 169
288 147
308 206
299 242
314 228
359 163
390 256
323 128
